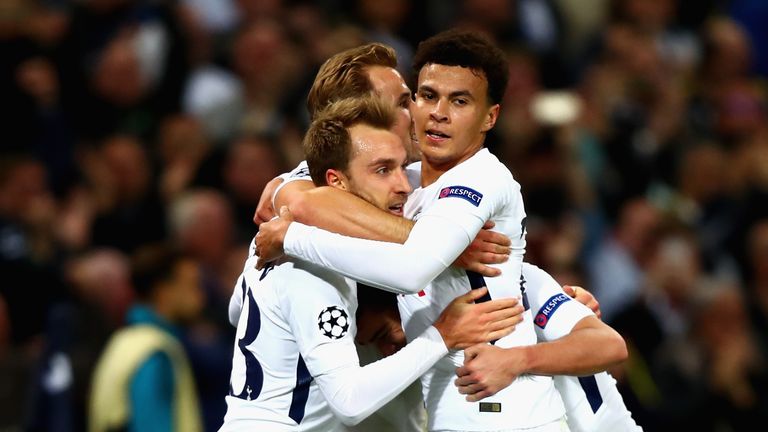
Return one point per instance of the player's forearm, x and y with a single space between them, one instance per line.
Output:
341 212
432 246
591 347
356 394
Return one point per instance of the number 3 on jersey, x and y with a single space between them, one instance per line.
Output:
254 375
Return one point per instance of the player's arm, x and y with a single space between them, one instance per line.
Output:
322 207
576 342
355 392
436 240
341 212
328 208
591 347
265 209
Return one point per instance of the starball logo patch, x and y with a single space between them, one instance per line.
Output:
468 194
549 308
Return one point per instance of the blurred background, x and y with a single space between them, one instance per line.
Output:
638 130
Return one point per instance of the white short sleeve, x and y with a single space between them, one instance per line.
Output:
300 173
555 313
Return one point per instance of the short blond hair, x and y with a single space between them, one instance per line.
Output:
344 75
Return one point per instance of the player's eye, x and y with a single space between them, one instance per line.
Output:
382 170
426 95
460 102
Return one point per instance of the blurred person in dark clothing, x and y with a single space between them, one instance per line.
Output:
123 65
143 380
99 292
756 283
251 163
202 225
129 212
28 249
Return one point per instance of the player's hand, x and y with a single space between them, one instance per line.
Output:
488 247
269 239
584 297
464 323
488 369
264 209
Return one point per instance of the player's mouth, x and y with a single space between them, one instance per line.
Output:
396 209
436 135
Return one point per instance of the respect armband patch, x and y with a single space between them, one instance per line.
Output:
549 308
463 192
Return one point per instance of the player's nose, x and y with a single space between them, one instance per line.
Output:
402 185
439 112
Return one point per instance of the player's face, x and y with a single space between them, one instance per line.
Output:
376 171
451 114
381 328
389 85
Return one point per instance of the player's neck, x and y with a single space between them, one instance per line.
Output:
431 170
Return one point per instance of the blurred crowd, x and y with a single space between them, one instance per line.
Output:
638 130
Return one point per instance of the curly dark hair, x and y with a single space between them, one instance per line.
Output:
470 50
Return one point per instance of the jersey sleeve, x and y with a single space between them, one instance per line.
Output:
433 244
321 325
355 393
469 200
300 173
555 312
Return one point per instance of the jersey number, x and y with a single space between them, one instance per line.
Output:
254 374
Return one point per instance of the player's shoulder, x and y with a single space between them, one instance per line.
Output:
482 169
298 279
479 179
535 274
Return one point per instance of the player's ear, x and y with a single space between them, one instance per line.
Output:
490 118
336 178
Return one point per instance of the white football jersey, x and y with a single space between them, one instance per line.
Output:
593 403
295 365
479 189
271 387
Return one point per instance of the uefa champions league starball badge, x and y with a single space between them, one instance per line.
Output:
333 322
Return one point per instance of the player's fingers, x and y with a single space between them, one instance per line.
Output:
464 381
489 224
461 371
595 306
472 295
497 304
501 328
490 247
470 389
515 312
263 214
493 257
469 354
502 319
496 238
569 290
498 334
479 396
483 269
285 213
260 263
